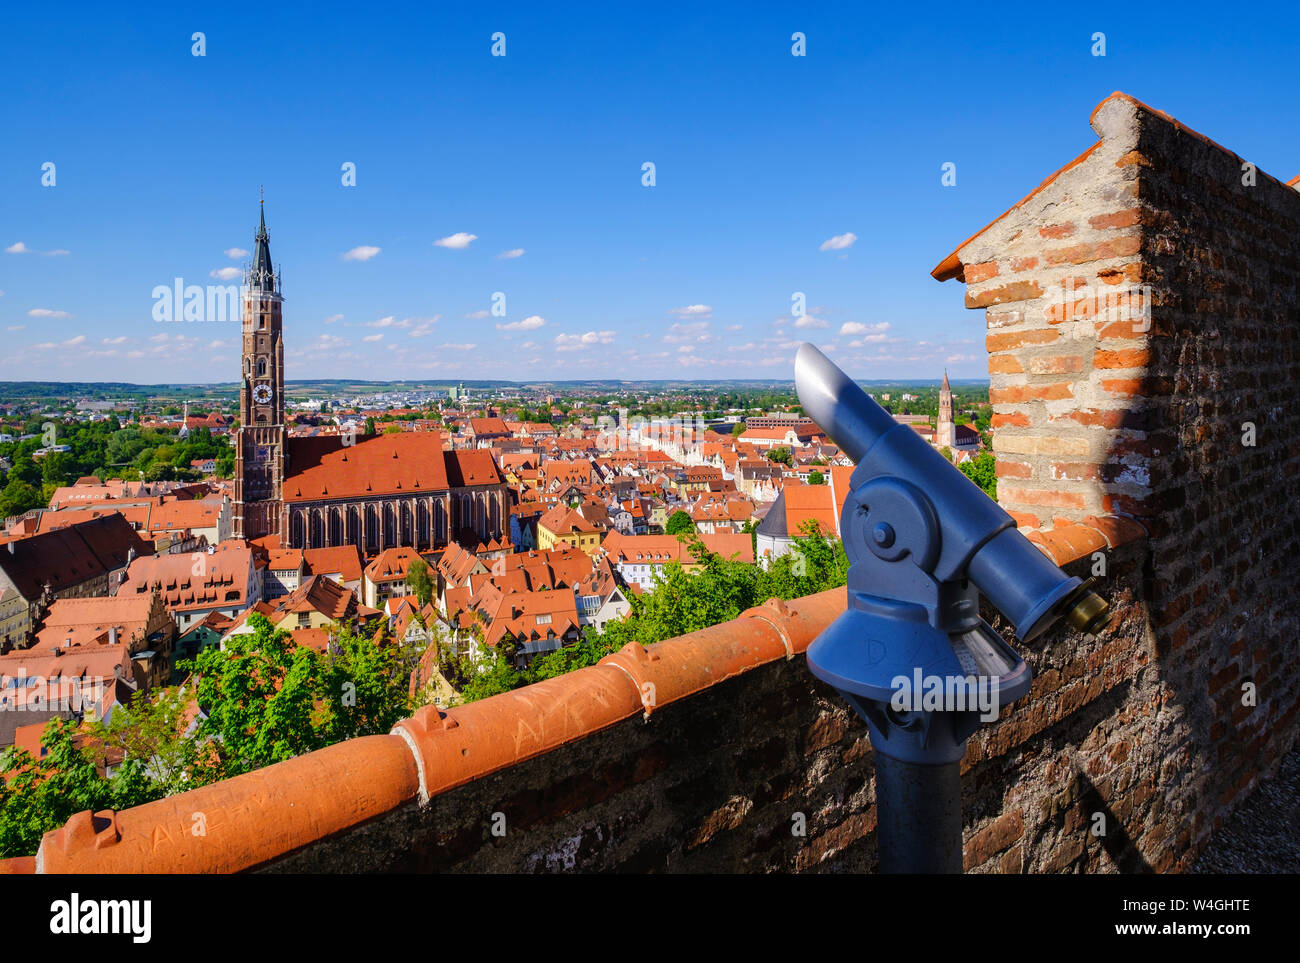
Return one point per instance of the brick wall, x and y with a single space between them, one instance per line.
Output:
1143 310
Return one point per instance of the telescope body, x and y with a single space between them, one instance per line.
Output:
975 538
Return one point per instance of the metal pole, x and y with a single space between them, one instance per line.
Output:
918 809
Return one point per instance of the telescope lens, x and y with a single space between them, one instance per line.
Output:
1087 611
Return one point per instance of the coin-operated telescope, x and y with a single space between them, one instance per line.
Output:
911 654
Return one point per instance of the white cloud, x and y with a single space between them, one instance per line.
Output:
135 354
697 331
389 322
70 343
332 319
225 273
328 342
808 321
839 242
735 327
120 339
16 327
2 294
451 346
458 241
692 311
527 324
579 342
424 327
20 248
529 346
374 337
511 254
857 327
47 313
477 315
362 253
236 252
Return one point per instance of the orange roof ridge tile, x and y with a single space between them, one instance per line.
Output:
1068 541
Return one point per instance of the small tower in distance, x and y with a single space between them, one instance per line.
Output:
946 432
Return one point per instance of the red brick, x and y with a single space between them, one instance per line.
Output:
1054 232
1128 218
1043 497
1056 364
1013 469
1005 364
1125 358
975 273
994 838
1017 394
1133 157
1123 330
1075 471
1101 251
1013 419
1015 291
1016 339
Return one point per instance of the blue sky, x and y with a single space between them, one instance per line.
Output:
761 158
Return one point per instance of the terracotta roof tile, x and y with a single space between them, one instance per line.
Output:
403 463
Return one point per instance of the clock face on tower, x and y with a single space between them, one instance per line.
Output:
262 394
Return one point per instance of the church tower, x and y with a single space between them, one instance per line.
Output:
259 452
946 431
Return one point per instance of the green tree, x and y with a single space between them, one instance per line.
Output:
780 456
18 497
417 577
268 700
679 522
151 729
982 470
38 795
816 478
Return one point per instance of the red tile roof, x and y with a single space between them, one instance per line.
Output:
488 426
87 621
225 581
391 565
661 549
341 560
70 556
411 462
